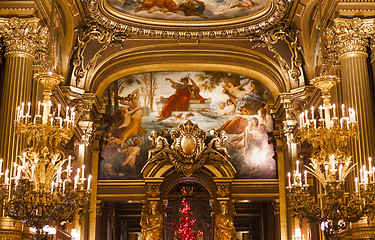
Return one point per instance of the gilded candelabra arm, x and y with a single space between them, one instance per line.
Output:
303 205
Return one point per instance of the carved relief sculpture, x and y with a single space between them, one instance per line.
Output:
188 152
152 223
224 224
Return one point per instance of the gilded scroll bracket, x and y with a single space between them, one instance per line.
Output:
271 37
107 38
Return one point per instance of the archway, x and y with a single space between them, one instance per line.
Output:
199 200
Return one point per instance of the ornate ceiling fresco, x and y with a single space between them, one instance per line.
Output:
188 10
194 19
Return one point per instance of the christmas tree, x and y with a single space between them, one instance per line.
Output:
184 229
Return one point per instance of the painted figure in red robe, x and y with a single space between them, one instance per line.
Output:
179 101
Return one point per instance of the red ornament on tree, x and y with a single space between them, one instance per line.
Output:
184 229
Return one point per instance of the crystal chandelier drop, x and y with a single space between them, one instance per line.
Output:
333 207
39 188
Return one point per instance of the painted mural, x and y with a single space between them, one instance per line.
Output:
189 10
142 110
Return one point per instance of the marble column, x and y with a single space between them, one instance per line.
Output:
20 41
351 46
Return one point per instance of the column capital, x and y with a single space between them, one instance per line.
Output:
349 36
23 36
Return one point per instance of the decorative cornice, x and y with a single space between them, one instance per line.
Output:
23 36
349 36
132 29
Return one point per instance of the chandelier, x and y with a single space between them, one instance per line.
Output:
39 188
334 207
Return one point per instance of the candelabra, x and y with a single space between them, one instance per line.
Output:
38 189
331 164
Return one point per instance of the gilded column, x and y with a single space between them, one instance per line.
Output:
351 47
21 38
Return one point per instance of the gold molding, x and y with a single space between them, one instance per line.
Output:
135 29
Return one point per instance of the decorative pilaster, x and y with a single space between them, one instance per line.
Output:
21 40
350 42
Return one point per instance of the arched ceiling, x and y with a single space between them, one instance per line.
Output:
188 57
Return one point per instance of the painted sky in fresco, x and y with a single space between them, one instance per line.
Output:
189 10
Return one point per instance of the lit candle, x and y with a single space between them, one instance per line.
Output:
22 108
28 108
341 122
307 117
343 110
58 110
301 119
51 121
354 120
63 186
320 112
361 174
76 181
312 112
305 173
89 182
39 108
69 165
6 176
19 172
356 184
289 181
52 186
83 171
326 168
